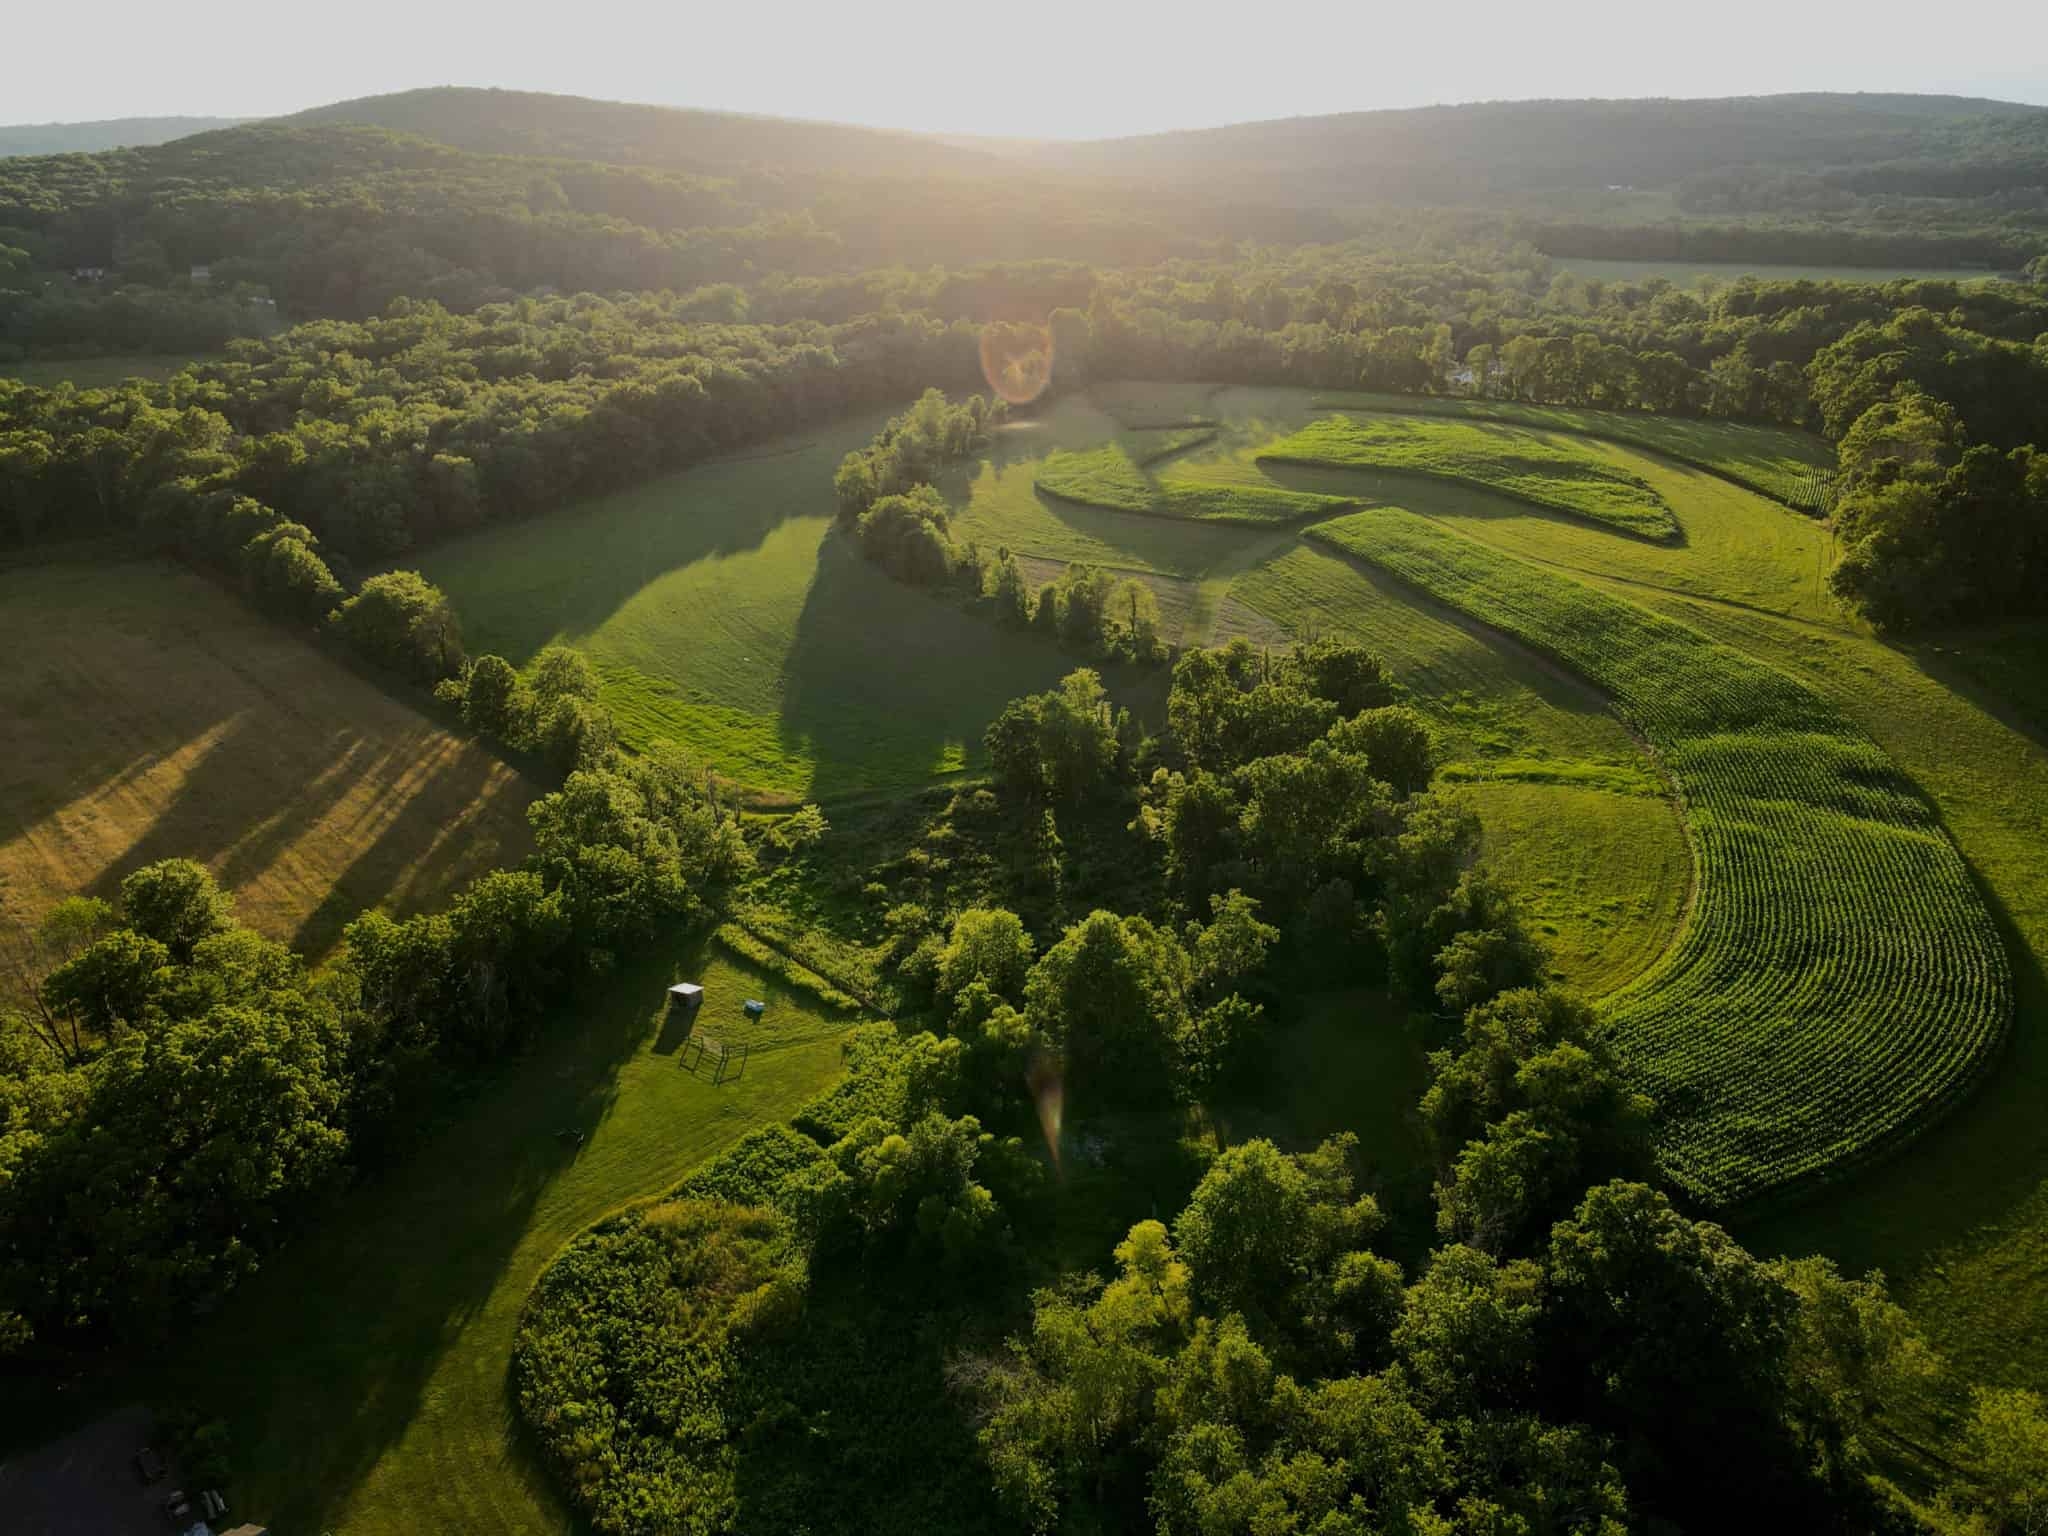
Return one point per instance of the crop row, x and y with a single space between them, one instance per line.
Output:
1554 475
1840 981
1105 477
1783 463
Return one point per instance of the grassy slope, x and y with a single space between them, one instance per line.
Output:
1738 547
725 613
363 1374
1106 477
999 504
1781 462
149 714
1569 804
1840 980
1558 474
1961 1220
1605 882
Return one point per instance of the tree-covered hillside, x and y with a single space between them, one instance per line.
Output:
113 133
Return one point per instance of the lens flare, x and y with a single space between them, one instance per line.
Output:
1016 360
1048 1092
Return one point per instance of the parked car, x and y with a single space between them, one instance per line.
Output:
148 1465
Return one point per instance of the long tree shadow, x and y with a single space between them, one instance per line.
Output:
887 685
392 871
522 586
367 1303
59 629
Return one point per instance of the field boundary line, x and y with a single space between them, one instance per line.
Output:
1616 438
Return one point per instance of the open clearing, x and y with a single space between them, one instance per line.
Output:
362 1374
170 721
725 613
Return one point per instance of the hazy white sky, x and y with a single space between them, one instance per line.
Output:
1049 68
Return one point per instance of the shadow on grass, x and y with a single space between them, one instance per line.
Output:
1454 496
358 1313
886 684
522 586
374 875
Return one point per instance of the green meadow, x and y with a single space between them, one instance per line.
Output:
723 612
1782 463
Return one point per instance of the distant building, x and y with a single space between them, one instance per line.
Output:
685 994
201 272
88 274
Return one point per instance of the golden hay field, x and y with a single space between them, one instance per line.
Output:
150 715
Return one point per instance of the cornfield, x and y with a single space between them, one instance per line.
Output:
1840 983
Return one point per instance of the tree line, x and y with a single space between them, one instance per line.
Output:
379 436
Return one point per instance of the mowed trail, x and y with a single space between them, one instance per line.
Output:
152 716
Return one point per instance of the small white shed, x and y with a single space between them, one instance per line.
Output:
685 994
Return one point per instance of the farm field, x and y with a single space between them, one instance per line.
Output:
1551 473
1960 1222
722 614
1108 477
169 720
1737 549
363 1373
1780 462
1840 982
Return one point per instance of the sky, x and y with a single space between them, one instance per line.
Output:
1048 69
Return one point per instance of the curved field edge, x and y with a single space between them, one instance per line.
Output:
1107 479
1486 456
1841 982
1801 477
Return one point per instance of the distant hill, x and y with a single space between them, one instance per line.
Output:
1456 153
1803 156
576 127
115 133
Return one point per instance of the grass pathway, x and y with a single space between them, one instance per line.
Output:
364 1373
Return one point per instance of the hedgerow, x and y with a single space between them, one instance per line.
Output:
1840 982
1520 465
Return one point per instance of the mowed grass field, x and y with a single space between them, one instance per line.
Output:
363 1374
1782 463
149 715
724 612
1960 1219
1553 473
